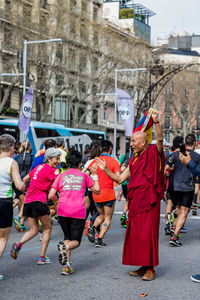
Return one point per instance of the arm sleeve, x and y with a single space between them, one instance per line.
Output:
56 183
194 168
89 181
116 167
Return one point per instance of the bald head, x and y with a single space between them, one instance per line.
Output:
139 141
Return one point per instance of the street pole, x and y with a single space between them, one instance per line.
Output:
115 110
25 56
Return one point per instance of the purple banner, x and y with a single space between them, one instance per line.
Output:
25 112
126 110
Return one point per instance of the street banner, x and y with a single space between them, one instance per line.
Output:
25 112
126 110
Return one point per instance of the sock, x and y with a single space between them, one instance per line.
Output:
99 239
174 236
42 256
20 245
195 198
124 214
68 264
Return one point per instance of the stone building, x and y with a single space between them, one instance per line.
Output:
66 77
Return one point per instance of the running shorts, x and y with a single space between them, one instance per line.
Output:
106 203
173 197
72 228
35 209
184 198
6 212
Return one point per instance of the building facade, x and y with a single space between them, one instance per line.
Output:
67 77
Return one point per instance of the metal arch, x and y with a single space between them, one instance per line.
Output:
165 79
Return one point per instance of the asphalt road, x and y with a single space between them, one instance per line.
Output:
99 273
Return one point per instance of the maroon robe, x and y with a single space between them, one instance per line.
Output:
145 190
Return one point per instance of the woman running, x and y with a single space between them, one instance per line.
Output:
35 205
9 172
71 206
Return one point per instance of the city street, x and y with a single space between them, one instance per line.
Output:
99 273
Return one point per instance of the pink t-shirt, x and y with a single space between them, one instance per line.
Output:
42 178
71 185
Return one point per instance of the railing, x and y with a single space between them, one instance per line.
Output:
142 30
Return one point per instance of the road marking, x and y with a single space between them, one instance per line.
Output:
162 215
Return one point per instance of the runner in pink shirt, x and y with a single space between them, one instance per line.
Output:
71 206
35 205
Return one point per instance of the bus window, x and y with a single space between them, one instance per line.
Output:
9 129
46 132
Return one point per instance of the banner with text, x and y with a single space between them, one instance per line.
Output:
25 112
126 110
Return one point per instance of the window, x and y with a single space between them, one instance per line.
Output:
95 37
94 90
167 136
84 8
73 4
81 112
167 106
82 62
43 4
59 82
95 117
82 87
95 14
72 56
167 122
45 133
83 32
95 64
60 111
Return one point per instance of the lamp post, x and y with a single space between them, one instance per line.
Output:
115 110
25 56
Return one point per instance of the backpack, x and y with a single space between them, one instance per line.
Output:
24 164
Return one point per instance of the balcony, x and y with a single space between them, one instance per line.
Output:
143 31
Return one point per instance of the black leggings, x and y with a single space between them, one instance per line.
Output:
72 228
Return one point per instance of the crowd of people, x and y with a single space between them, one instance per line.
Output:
79 191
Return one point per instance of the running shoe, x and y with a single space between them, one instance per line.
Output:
1 277
91 234
174 242
123 220
67 270
15 250
63 253
56 218
99 243
17 222
43 261
23 228
119 196
183 230
167 229
87 226
195 278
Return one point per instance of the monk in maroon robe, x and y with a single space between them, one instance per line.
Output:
145 190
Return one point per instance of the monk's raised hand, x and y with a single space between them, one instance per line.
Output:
101 163
155 115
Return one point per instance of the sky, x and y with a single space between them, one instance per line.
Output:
173 16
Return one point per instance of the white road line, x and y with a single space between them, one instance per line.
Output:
162 215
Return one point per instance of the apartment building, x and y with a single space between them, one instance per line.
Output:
67 77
